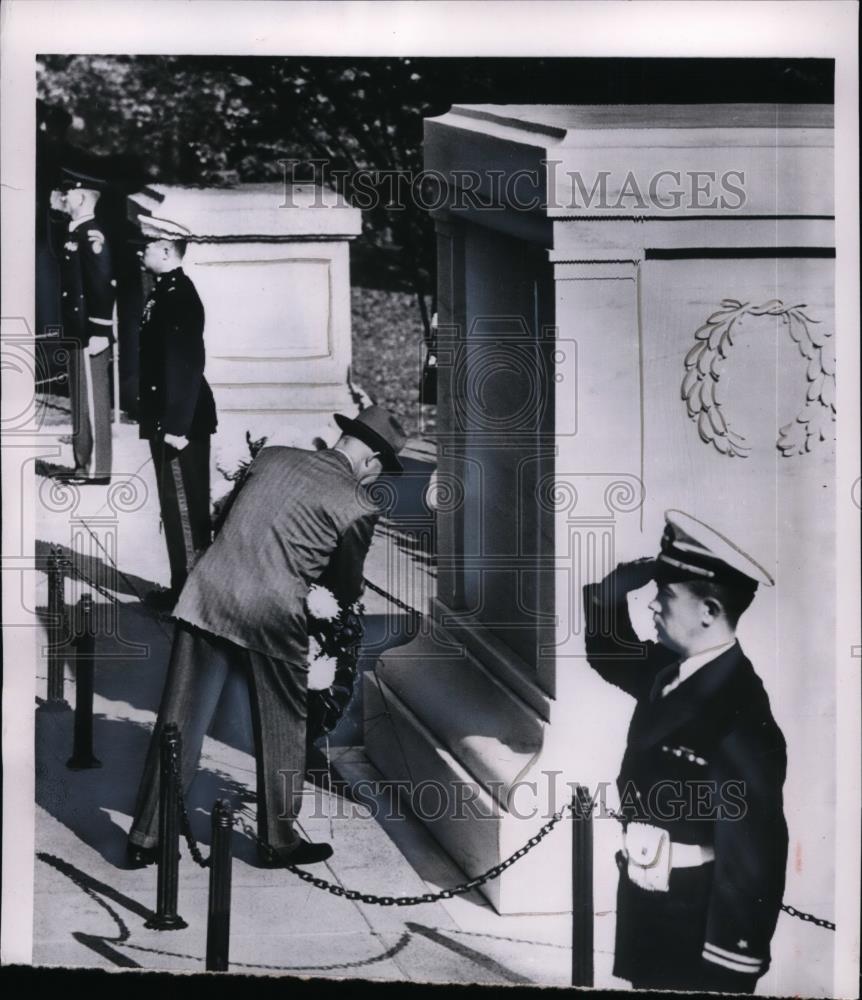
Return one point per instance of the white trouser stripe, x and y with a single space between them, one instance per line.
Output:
91 407
183 505
736 956
736 966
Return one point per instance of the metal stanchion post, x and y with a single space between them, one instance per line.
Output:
582 888
166 917
55 700
85 649
221 862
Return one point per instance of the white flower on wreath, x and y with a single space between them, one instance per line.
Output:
322 604
321 672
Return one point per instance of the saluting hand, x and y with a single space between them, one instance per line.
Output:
626 577
177 441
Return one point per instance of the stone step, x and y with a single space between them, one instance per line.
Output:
465 820
490 731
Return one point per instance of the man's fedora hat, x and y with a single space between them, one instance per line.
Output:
692 550
376 426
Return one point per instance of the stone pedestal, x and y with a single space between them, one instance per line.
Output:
271 264
635 314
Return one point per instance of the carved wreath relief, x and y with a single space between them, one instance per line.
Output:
704 363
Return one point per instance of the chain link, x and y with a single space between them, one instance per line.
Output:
389 597
808 918
92 583
427 897
185 823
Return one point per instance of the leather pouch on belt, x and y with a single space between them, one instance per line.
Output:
648 852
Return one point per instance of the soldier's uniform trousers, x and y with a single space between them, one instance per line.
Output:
660 935
183 482
200 666
90 399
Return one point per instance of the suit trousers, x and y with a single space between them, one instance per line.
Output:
90 399
183 482
199 667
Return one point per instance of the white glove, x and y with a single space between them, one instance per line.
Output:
176 441
97 345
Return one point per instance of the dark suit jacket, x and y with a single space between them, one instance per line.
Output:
173 395
295 510
87 283
714 735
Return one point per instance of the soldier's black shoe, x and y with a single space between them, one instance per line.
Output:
80 478
305 853
140 857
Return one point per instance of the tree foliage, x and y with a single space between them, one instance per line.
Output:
221 120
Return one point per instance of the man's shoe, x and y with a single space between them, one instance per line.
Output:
305 853
140 857
79 477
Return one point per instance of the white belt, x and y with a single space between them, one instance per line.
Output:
690 855
652 856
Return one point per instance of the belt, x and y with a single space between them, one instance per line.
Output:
690 855
647 849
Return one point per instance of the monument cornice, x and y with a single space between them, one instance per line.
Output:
615 161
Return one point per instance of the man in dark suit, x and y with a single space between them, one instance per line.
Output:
88 293
702 872
243 608
176 410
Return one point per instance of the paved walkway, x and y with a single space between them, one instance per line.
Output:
91 912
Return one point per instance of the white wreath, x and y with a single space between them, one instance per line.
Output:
705 361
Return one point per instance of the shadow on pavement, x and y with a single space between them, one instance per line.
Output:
94 568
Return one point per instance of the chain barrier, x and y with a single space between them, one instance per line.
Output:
111 598
808 918
389 597
185 822
428 897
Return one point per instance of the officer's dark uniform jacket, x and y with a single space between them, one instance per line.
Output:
174 396
87 282
706 763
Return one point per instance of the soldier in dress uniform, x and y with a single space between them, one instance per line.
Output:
705 841
87 309
176 410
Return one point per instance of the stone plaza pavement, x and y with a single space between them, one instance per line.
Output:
89 911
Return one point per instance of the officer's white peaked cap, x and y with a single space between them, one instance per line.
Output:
693 550
153 228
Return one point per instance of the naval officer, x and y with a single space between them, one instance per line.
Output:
87 309
176 409
701 876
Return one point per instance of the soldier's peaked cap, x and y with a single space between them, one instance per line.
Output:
692 550
89 180
153 228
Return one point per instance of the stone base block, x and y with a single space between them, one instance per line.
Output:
458 810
